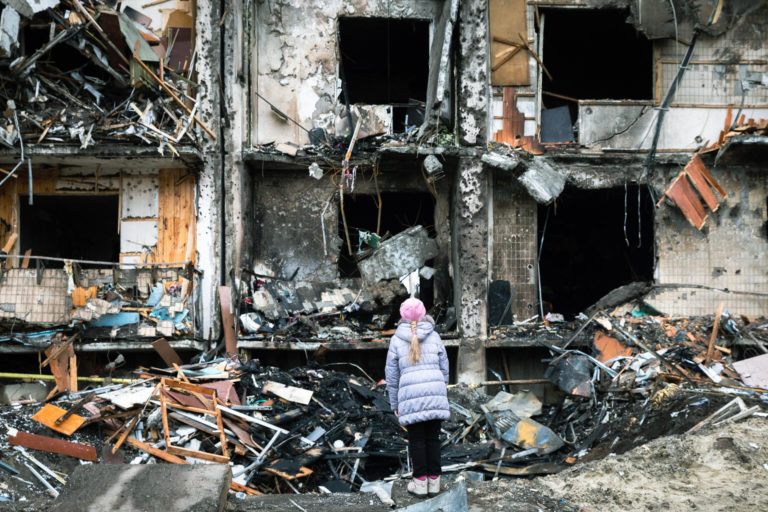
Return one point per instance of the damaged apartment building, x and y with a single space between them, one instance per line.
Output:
277 176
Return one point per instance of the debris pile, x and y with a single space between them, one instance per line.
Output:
85 72
305 429
353 309
105 304
318 429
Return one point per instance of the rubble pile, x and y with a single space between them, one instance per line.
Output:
319 429
81 73
339 310
107 303
351 309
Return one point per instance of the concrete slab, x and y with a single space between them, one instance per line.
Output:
403 253
145 488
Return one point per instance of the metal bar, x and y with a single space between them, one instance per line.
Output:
6 375
29 167
53 492
93 262
40 464
251 419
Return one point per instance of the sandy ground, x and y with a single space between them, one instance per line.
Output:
723 468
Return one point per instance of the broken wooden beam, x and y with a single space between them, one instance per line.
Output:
170 92
52 445
166 352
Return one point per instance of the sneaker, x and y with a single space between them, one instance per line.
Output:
433 486
418 487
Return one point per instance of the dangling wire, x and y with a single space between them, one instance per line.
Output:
639 221
626 239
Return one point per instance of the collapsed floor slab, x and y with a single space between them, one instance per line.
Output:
129 488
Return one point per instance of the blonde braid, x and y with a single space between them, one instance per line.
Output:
415 353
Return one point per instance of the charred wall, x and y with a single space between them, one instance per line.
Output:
295 62
286 230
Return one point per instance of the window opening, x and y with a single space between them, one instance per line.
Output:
400 211
386 62
82 227
593 54
585 254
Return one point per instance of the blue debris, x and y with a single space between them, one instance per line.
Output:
156 295
118 319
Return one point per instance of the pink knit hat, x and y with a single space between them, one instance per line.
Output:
412 310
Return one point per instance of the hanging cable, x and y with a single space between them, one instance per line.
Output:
639 221
626 239
538 264
651 161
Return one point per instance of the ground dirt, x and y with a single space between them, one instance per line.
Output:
721 468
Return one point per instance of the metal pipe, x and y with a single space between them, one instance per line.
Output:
95 262
35 376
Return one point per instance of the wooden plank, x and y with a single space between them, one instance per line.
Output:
686 199
8 247
302 472
160 454
188 408
713 337
227 320
27 254
52 445
44 182
128 428
715 185
176 216
694 171
164 213
192 388
211 457
73 372
50 414
59 362
8 210
169 356
507 20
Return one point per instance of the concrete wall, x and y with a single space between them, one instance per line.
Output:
209 187
296 61
287 230
514 243
730 252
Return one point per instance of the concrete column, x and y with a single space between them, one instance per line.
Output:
470 267
470 210
238 188
473 89
209 193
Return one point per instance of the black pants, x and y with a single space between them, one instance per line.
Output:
424 445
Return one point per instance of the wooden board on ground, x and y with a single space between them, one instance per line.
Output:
52 445
290 393
50 413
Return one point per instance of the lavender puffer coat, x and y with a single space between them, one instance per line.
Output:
418 390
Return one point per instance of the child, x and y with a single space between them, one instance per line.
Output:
417 374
